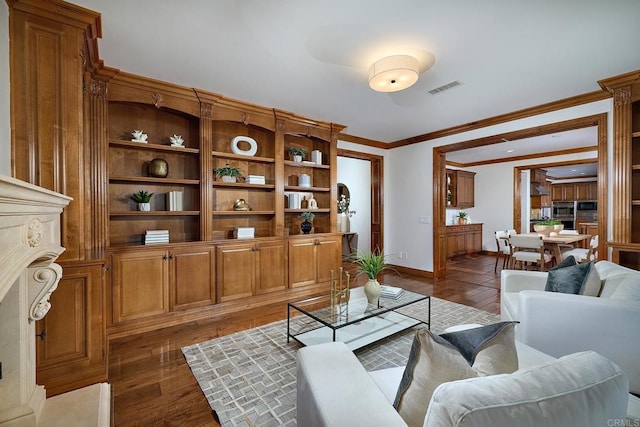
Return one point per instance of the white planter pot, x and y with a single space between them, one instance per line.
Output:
297 158
226 178
144 207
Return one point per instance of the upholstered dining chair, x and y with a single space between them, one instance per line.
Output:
503 249
582 254
529 248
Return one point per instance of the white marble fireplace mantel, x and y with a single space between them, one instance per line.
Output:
29 246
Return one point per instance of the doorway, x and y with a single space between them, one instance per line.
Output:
374 216
439 178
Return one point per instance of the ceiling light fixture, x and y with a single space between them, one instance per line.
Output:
393 73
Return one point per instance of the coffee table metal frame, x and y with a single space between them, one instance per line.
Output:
358 325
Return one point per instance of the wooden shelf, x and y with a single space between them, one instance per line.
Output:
635 203
324 210
152 180
242 213
306 189
232 156
635 134
220 184
305 165
154 213
635 167
154 147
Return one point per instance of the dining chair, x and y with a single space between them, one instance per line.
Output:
582 254
503 249
529 249
511 232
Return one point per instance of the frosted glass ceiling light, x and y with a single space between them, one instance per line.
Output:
393 73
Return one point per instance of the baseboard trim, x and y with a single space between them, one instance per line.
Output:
414 271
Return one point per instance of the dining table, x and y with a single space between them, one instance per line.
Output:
554 243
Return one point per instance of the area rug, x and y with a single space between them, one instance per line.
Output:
249 378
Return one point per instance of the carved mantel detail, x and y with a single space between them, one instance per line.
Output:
34 232
98 89
42 282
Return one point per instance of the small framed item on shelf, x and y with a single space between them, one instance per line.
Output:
244 232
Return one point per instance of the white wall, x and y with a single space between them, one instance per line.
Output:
356 175
5 117
409 186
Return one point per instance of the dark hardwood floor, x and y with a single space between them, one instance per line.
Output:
152 384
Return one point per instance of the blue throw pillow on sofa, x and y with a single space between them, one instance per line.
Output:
567 277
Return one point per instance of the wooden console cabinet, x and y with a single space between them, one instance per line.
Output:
463 239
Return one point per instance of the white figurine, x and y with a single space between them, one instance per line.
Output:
176 140
139 136
312 203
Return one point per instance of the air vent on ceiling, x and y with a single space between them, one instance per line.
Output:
445 87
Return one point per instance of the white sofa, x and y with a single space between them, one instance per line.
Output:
559 324
333 389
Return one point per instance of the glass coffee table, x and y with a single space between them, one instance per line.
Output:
357 323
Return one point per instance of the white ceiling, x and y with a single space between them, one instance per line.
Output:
312 57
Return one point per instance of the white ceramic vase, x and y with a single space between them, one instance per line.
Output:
342 222
144 207
372 290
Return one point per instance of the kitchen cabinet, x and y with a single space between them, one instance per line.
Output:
586 191
460 189
191 277
463 239
312 259
251 268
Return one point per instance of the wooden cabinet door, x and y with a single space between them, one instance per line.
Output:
236 271
328 252
569 192
592 191
192 277
140 284
72 350
452 244
583 191
557 192
466 189
271 266
302 262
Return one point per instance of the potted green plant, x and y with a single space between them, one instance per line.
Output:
142 198
228 173
462 217
297 153
372 264
306 225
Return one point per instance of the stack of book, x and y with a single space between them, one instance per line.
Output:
174 200
255 179
156 236
391 292
244 232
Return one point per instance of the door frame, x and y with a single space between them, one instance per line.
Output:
377 194
439 178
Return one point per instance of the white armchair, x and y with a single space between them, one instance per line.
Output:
559 324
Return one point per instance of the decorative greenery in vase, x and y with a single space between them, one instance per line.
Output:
371 263
230 171
141 197
462 217
297 151
307 216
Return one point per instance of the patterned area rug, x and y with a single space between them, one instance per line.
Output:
249 378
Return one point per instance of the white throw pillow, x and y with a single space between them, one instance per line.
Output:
628 289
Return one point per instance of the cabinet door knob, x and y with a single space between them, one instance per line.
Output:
164 257
171 256
42 335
